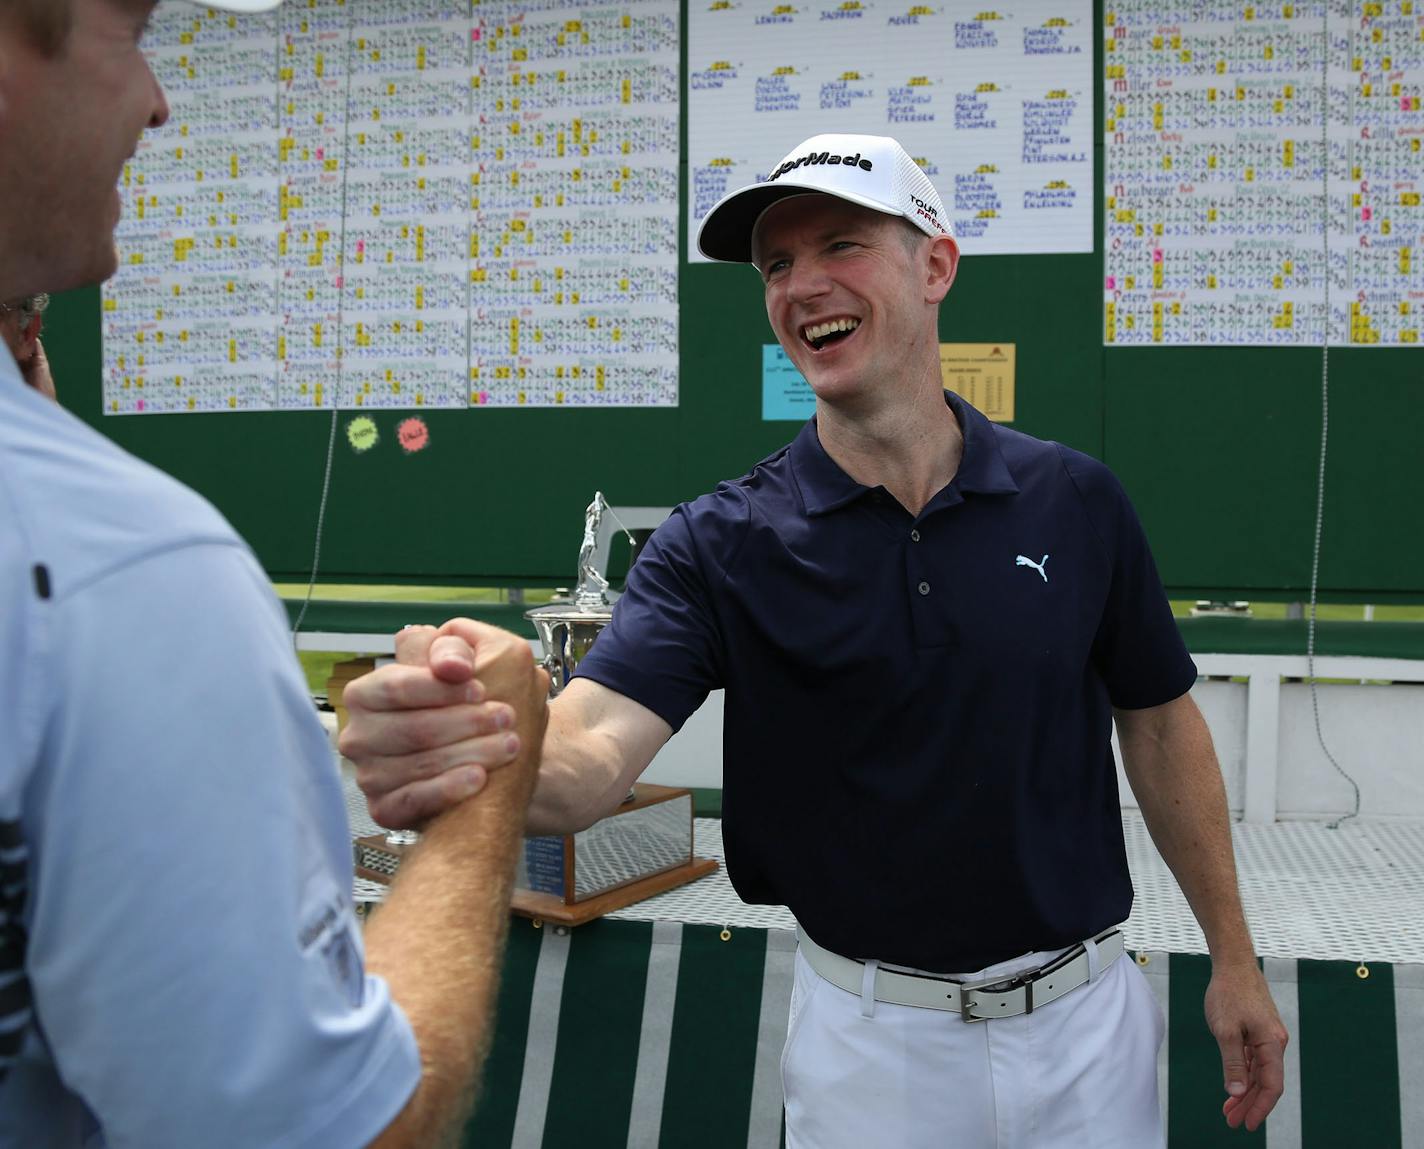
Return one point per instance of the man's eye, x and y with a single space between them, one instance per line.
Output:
777 265
842 245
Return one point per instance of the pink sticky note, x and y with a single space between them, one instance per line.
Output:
1156 255
1111 282
139 405
484 398
1366 213
361 246
474 33
321 153
413 435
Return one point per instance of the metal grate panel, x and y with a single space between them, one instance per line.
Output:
628 846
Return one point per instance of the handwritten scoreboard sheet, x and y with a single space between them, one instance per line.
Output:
399 203
996 105
1252 150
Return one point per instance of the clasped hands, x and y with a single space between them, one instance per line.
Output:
426 731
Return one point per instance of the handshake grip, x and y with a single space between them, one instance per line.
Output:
505 666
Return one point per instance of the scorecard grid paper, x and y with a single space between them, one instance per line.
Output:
996 105
396 203
1243 141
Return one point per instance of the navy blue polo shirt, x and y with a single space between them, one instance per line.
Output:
918 707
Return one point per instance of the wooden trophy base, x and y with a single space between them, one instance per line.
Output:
377 858
553 909
615 863
641 849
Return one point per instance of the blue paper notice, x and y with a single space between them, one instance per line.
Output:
785 394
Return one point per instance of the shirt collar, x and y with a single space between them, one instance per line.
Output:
825 487
9 369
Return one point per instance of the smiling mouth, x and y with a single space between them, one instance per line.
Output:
820 335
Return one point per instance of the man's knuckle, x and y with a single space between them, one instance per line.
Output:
355 695
404 807
424 730
380 810
427 764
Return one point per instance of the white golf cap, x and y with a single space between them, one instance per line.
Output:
237 5
872 171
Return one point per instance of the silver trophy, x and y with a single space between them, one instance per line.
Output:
567 629
645 845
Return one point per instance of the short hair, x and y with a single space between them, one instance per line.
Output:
45 22
27 306
910 235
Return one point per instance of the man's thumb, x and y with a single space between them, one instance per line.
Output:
1233 1064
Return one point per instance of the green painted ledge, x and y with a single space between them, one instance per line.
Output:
1202 635
1288 636
341 617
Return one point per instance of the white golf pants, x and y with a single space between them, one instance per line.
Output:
1079 1073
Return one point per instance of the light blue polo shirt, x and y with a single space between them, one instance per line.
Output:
180 964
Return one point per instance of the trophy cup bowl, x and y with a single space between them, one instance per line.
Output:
567 631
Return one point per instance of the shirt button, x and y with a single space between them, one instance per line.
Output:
914 536
924 588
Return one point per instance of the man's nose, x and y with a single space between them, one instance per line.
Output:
807 280
158 115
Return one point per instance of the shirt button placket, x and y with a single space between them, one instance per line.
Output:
923 586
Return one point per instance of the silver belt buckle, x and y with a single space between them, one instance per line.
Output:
1022 981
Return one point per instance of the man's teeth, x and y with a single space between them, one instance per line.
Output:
821 330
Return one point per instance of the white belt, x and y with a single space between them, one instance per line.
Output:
1005 995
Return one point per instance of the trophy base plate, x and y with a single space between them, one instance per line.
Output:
553 909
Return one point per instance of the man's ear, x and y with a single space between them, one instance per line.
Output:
942 263
31 330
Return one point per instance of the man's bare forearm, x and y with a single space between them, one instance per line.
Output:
598 742
577 784
1169 759
439 938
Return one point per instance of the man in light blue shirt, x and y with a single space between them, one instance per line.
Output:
180 963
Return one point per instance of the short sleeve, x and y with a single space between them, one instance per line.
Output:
664 647
196 964
1138 649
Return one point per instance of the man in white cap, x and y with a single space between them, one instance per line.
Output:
925 625
180 961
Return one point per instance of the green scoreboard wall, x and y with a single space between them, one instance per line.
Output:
1218 447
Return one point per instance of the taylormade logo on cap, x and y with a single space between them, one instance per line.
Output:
823 158
874 172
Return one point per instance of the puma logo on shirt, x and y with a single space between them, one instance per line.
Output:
1025 561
